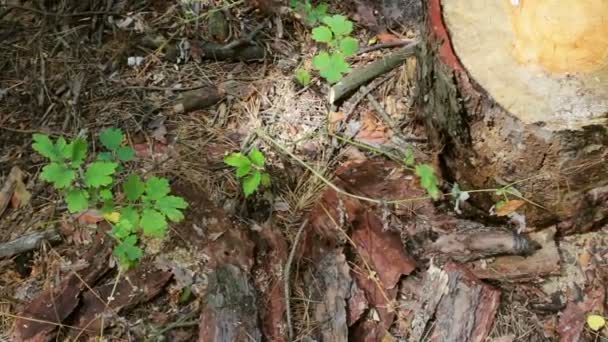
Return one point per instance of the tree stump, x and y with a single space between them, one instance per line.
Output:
517 92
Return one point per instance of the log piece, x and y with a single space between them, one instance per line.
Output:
545 261
509 95
230 312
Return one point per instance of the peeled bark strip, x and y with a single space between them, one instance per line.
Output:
230 312
55 305
466 312
138 286
510 95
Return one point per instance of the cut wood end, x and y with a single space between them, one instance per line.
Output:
544 61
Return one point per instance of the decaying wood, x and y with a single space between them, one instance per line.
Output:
6 192
28 242
466 312
137 286
463 307
472 240
230 310
556 157
367 73
56 304
545 261
434 285
198 99
332 284
214 51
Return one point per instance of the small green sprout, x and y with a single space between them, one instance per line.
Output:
250 168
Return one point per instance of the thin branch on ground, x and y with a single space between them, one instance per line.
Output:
287 277
371 48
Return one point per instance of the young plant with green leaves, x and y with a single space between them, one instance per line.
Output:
425 172
335 34
143 207
303 77
311 13
251 168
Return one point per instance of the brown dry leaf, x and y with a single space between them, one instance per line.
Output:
386 38
334 119
90 216
584 258
372 131
509 207
21 196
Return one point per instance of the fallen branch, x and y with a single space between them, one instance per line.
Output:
28 242
361 76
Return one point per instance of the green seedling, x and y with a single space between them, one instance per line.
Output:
303 77
425 172
335 34
312 14
143 207
251 168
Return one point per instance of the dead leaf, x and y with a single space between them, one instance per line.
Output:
90 216
584 258
386 38
21 196
365 15
509 207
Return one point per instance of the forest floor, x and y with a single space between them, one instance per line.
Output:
344 244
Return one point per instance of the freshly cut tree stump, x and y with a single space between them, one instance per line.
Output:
517 91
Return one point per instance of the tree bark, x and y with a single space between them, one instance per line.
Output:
502 110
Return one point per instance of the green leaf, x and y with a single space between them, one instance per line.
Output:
108 206
111 138
127 252
339 25
240 161
265 179
77 200
125 153
257 157
236 159
105 156
321 61
243 170
157 188
409 157
105 194
428 180
99 174
349 46
335 67
130 214
122 229
153 223
172 206
322 34
133 187
62 147
43 145
77 151
252 182
303 77
58 174
317 14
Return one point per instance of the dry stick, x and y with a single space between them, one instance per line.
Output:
286 277
28 242
363 75
398 43
52 14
